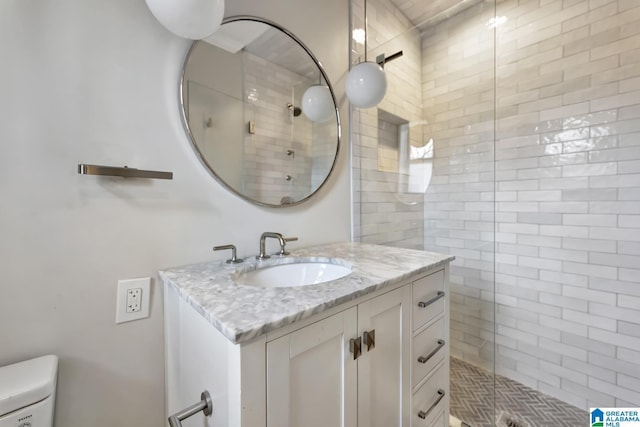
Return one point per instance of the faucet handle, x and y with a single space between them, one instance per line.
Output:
233 259
283 251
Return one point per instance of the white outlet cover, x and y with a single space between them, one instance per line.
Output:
143 283
134 296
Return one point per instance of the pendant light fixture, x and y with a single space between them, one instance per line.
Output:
190 19
317 103
366 83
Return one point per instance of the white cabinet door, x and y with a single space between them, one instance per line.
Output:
312 376
384 383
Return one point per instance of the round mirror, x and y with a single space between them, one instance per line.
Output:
260 112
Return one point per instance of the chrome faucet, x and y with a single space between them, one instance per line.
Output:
281 239
234 259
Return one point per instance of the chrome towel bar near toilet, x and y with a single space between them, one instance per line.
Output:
205 405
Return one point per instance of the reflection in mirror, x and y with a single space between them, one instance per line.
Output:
242 94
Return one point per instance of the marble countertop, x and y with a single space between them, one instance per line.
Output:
242 313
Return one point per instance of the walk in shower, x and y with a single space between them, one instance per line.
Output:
510 138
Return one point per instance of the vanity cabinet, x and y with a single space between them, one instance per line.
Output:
430 354
309 373
311 380
346 370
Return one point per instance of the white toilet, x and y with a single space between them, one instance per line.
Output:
27 392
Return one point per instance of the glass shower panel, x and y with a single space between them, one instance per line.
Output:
459 116
212 136
388 211
300 154
423 167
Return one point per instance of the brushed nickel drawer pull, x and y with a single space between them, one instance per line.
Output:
425 359
355 347
423 304
369 338
423 414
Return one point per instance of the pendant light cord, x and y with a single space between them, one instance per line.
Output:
366 31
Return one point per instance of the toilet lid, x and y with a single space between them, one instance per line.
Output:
25 383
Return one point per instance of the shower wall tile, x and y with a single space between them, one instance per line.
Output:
272 85
564 278
561 151
630 275
390 214
588 344
567 190
570 328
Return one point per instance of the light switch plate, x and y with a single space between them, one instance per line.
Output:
133 299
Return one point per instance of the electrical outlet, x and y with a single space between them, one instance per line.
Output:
133 299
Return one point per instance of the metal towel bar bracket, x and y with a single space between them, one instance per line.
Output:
205 405
126 172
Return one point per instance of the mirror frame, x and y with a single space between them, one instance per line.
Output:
199 154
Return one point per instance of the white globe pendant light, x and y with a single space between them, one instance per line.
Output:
190 19
366 85
317 103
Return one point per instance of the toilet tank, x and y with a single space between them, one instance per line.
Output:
27 392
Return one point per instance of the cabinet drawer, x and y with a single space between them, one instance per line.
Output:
429 349
428 298
430 400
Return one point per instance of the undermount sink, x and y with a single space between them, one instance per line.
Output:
292 274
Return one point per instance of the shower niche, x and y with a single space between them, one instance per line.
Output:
398 154
394 164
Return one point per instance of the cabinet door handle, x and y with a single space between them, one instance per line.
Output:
205 405
423 304
369 338
355 346
423 414
425 359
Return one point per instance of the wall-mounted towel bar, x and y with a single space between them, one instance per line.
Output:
205 405
84 169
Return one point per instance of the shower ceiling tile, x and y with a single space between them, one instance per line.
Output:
427 13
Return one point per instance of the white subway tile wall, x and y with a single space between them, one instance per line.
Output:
269 90
276 130
566 151
385 212
535 186
458 75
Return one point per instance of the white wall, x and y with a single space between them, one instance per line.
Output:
96 82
